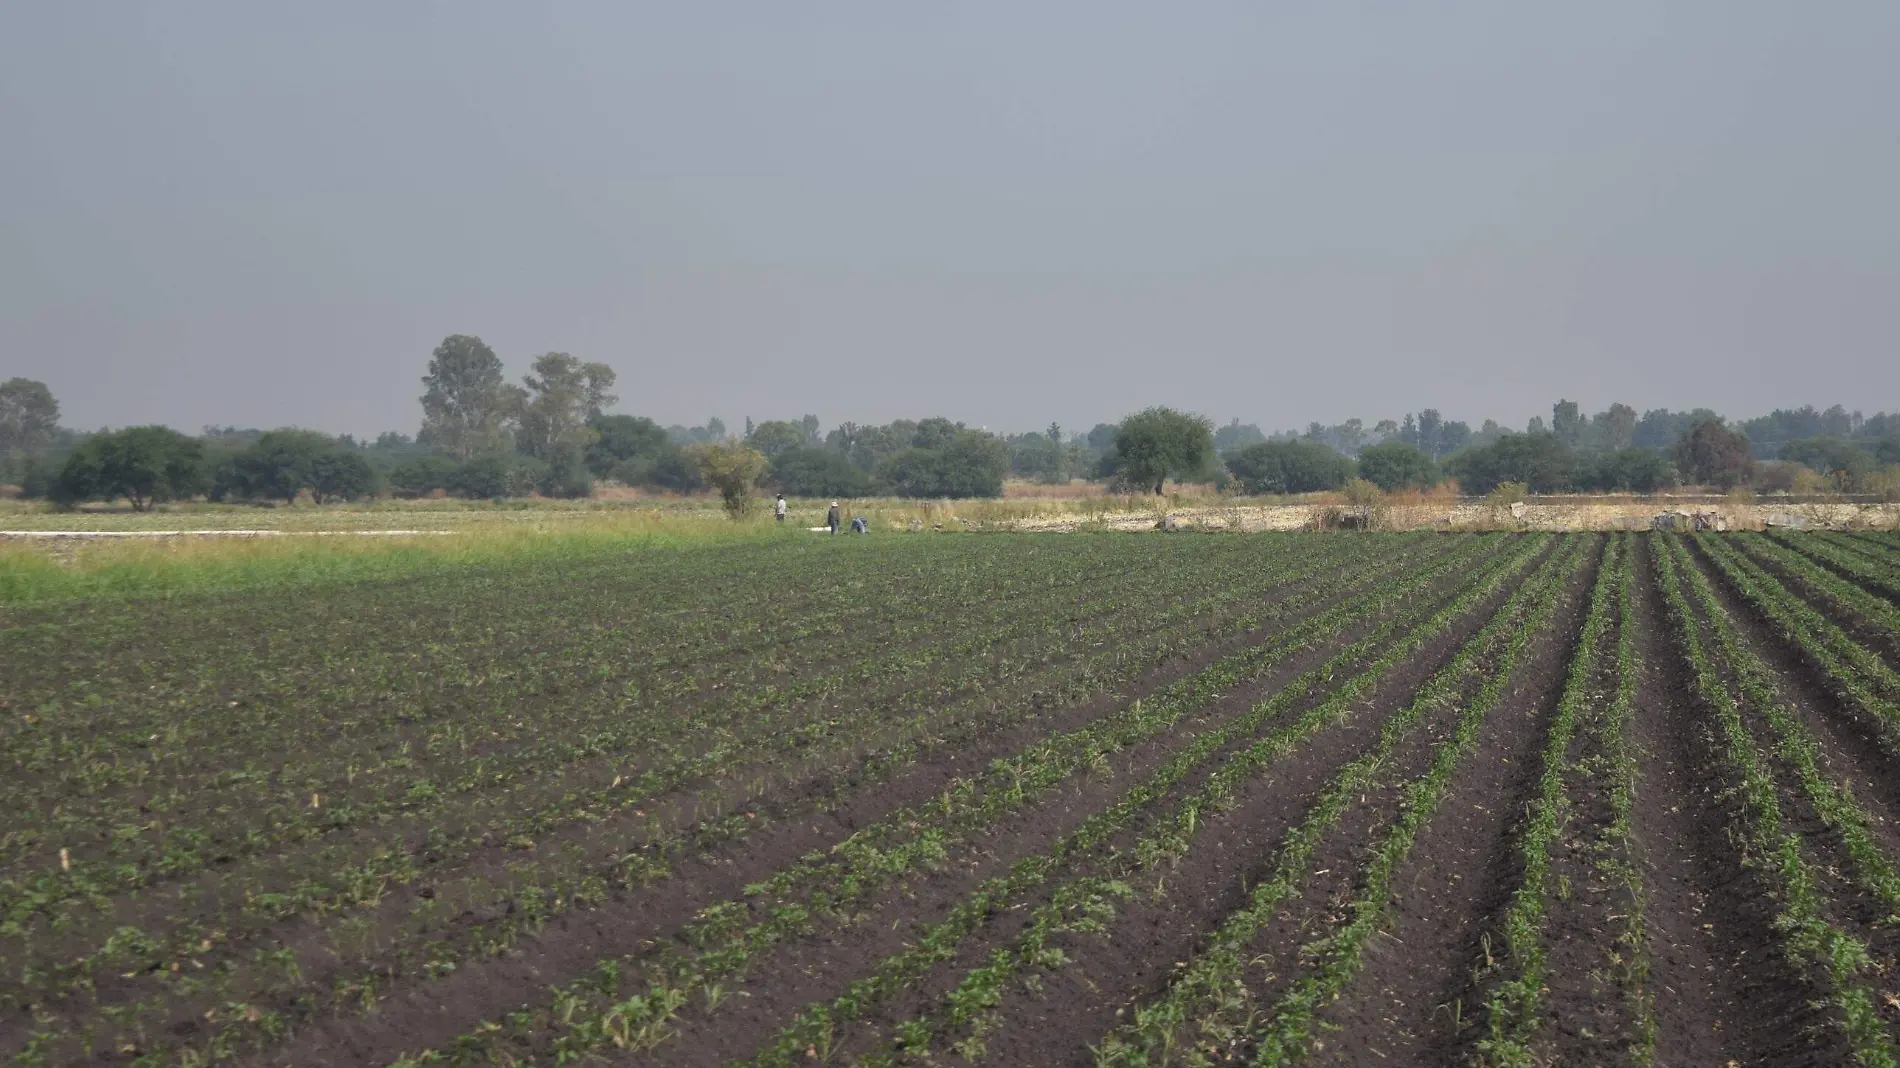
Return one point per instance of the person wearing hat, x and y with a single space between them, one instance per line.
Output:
780 507
832 517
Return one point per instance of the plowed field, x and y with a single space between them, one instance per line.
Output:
1362 799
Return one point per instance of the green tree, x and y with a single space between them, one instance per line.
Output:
1289 467
491 476
1845 463
282 464
29 416
1617 427
143 464
1156 444
340 474
561 398
1566 422
817 472
466 404
775 436
1237 435
629 448
1625 471
1395 466
1430 423
968 463
420 476
564 473
1536 459
1711 454
733 468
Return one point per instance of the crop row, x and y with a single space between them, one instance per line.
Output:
1208 1010
1814 942
1856 674
1877 573
586 682
133 859
1514 1008
556 898
590 1014
1165 843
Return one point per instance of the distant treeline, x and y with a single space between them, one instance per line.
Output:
482 436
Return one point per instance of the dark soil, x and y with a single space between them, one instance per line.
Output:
1723 993
1417 999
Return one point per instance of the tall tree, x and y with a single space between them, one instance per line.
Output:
1429 425
1619 427
1156 444
29 416
775 436
466 404
1711 454
562 395
1566 421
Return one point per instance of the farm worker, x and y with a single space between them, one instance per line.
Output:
860 526
832 517
781 507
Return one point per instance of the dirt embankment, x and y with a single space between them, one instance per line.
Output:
1555 514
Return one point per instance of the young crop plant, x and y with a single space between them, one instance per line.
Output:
728 954
1874 573
1844 594
1811 941
1287 1032
1513 1010
1172 837
1617 849
1857 674
535 910
1794 744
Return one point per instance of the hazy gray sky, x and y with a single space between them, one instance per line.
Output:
269 213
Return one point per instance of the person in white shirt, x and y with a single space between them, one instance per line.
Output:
781 507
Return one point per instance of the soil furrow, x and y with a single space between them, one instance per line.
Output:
1723 993
360 1037
1417 998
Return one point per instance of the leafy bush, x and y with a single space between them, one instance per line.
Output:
970 463
1625 471
1288 467
1536 459
817 472
143 464
421 476
1397 466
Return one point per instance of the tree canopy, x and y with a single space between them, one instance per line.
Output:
1156 444
1289 467
466 403
143 464
1395 466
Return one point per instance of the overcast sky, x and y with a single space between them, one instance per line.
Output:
1007 213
